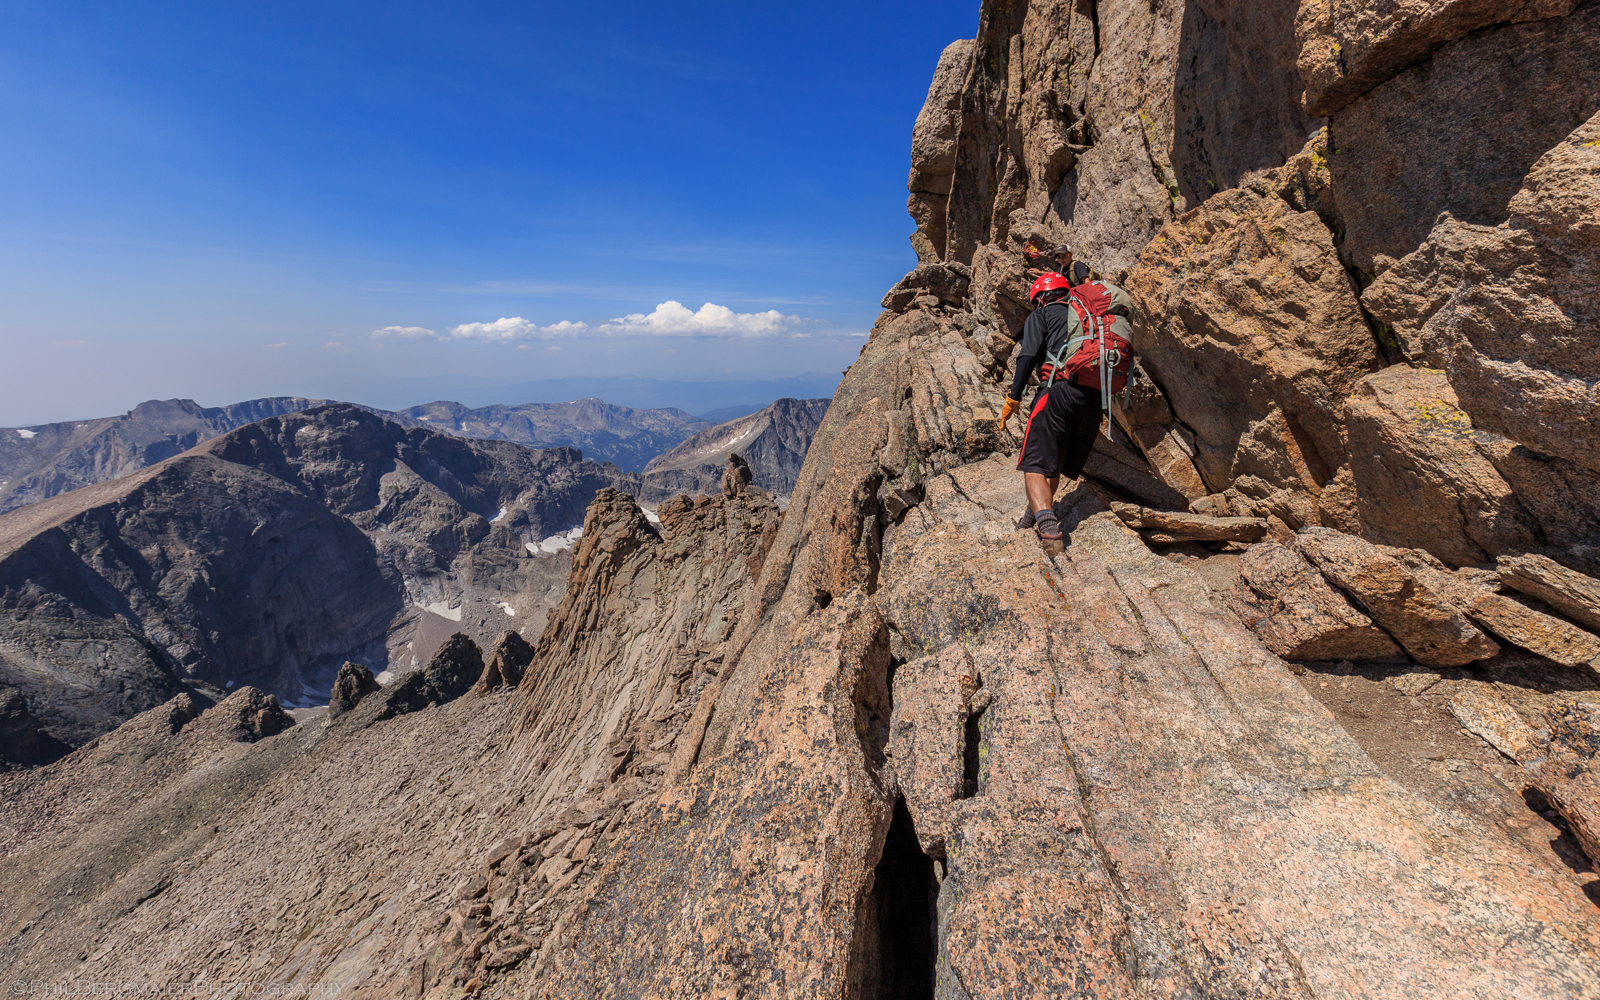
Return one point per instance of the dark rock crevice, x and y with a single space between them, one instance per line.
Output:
897 934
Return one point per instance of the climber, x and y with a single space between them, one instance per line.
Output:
1077 336
1062 253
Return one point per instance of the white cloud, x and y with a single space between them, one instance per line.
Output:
278 345
511 328
673 319
669 319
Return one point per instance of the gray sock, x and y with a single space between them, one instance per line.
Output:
1045 520
1026 520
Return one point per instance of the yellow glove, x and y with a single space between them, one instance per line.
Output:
1007 410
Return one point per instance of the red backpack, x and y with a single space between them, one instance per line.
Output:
1101 356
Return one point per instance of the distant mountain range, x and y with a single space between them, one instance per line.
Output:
41 461
271 554
45 460
715 401
624 436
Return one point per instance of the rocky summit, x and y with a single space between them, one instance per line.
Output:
1307 705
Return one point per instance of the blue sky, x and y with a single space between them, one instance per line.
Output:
222 201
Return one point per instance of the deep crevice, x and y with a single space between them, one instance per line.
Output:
971 751
897 926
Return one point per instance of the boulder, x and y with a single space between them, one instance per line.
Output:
248 715
946 283
355 681
1252 330
1512 620
509 658
1191 527
1572 593
1294 611
507 958
1551 638
1420 481
1425 624
737 476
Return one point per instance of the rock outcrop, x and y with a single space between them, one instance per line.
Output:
771 442
449 675
507 661
354 682
22 742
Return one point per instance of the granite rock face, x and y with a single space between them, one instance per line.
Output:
1351 46
1253 329
1509 93
1420 479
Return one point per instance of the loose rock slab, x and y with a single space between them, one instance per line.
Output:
1423 622
1572 593
1288 604
1191 527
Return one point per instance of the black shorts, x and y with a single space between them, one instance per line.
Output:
1060 430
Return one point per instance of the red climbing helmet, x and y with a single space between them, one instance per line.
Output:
1047 282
